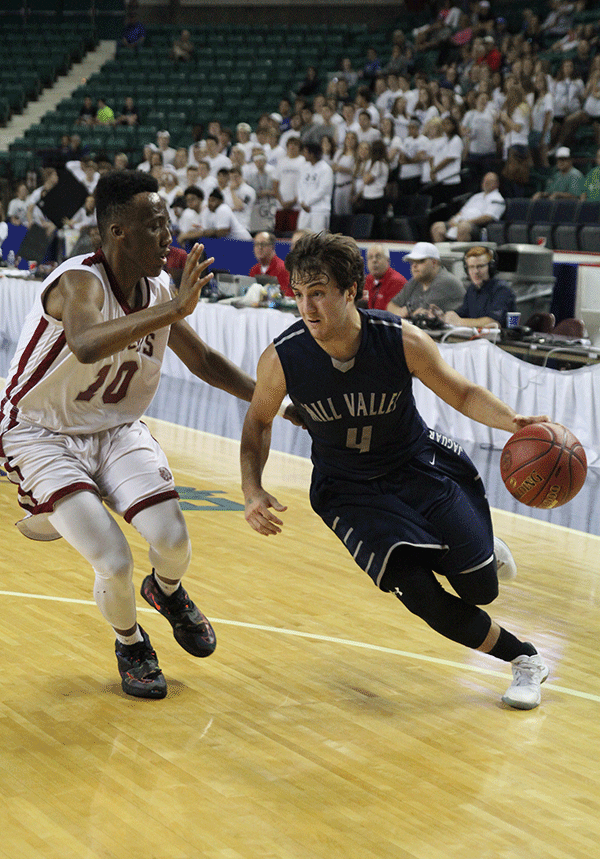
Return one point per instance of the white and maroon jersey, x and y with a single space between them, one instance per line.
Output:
47 386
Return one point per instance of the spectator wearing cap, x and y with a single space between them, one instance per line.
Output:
315 189
382 282
478 211
566 182
431 290
412 153
487 299
268 263
163 142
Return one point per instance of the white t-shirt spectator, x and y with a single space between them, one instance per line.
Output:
369 135
247 195
539 110
315 186
450 174
376 189
480 128
287 173
411 146
491 204
224 219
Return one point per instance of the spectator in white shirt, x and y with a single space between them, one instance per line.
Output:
375 179
206 181
542 114
349 123
163 141
240 197
287 175
445 164
169 190
479 130
413 153
366 132
478 211
85 172
17 207
216 159
190 220
218 220
243 131
315 189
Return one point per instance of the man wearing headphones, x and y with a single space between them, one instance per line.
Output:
487 299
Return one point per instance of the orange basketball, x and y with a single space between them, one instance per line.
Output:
543 465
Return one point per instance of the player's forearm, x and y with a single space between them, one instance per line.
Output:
484 407
91 344
220 372
254 452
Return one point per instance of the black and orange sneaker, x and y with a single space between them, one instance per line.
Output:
139 670
191 629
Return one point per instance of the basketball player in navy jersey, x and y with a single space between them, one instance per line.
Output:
86 368
405 500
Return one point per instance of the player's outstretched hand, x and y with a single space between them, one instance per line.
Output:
521 421
258 515
194 277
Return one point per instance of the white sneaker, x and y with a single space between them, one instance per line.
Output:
529 672
506 567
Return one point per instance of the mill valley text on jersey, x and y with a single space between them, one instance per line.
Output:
361 414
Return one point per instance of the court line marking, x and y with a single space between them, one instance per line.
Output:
587 696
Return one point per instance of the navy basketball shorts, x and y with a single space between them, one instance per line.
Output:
436 502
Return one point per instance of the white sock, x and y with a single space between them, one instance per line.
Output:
167 589
130 639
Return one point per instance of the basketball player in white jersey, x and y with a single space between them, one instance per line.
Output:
86 367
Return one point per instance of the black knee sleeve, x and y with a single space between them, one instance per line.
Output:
479 587
417 588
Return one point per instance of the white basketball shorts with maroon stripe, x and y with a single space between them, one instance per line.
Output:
124 465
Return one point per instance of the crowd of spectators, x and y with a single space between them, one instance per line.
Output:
450 104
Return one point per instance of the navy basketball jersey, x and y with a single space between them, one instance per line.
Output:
361 414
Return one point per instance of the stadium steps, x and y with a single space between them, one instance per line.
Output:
51 96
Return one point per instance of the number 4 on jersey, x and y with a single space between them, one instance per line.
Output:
364 444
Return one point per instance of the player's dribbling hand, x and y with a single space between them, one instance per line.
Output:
258 515
522 421
193 279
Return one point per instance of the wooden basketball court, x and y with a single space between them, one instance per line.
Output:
329 723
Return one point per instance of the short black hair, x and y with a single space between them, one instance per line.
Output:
115 191
339 254
313 148
216 193
193 189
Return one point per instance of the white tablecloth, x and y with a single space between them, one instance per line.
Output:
571 397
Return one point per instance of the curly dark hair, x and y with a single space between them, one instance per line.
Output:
114 192
336 253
